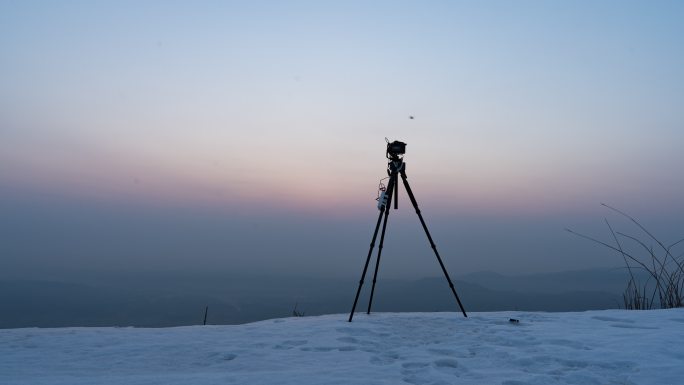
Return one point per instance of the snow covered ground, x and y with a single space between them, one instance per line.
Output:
593 347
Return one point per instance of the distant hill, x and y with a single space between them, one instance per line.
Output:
156 299
606 280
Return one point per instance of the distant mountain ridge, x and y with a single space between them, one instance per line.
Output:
612 280
155 300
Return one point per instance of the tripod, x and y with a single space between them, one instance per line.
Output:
396 168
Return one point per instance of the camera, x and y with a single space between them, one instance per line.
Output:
395 149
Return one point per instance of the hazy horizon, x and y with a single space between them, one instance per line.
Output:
173 298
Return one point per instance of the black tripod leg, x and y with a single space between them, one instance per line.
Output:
365 267
396 194
432 244
390 190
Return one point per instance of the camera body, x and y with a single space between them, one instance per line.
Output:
395 149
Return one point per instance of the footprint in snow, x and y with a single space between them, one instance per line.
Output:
613 319
384 359
413 371
229 356
328 349
627 326
350 340
285 345
446 363
414 365
442 352
346 348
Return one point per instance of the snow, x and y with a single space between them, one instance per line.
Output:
593 347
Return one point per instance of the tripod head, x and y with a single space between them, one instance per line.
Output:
395 155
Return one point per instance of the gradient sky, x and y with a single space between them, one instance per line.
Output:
250 135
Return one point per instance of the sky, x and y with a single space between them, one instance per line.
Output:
250 136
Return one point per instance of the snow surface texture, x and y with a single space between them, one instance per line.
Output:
593 347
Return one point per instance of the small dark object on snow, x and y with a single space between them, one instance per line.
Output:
513 320
411 117
297 313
